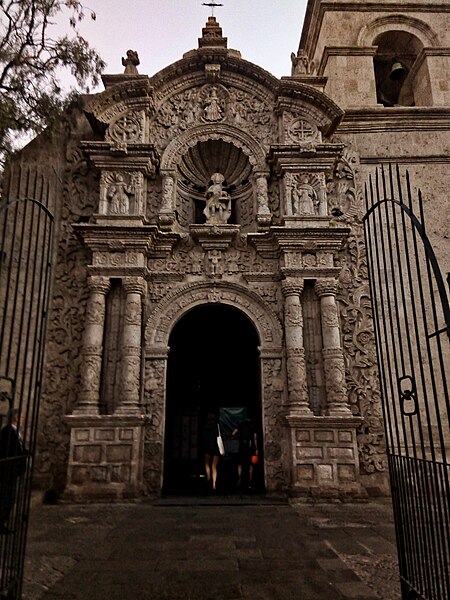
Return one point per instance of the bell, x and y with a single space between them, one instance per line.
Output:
398 71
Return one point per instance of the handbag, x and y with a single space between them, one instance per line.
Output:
220 442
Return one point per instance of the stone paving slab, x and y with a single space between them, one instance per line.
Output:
192 549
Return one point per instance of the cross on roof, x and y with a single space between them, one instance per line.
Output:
212 5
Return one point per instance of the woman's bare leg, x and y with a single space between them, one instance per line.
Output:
208 458
215 462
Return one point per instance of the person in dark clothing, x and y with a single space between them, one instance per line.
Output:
212 454
248 447
12 466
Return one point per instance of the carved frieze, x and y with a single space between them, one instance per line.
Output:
212 103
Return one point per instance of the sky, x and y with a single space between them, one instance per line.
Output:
161 31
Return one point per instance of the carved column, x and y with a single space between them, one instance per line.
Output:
264 215
333 356
92 351
322 197
166 215
131 346
295 352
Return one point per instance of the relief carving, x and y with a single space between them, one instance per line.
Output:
299 130
213 103
357 323
154 392
66 322
127 129
305 194
274 452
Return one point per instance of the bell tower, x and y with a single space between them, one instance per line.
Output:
380 53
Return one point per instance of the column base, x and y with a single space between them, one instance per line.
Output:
106 458
339 410
299 409
86 410
325 461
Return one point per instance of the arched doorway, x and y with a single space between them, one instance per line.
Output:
213 363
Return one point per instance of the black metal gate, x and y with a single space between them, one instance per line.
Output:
412 325
26 234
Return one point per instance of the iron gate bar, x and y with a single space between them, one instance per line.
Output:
22 341
417 460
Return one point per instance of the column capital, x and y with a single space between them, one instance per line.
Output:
97 283
292 287
134 285
326 287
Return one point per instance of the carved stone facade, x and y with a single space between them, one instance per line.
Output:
213 184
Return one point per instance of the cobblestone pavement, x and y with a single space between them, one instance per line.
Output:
211 549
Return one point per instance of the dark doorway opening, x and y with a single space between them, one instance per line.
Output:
213 363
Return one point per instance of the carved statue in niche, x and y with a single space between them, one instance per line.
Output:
118 194
213 110
304 198
218 201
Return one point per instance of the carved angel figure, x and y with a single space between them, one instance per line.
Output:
218 201
131 62
301 65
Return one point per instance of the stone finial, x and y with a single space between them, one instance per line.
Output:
212 35
131 62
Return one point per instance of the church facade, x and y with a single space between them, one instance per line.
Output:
210 254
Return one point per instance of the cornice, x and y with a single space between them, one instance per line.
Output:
401 118
116 238
229 60
292 88
317 157
344 51
138 156
406 160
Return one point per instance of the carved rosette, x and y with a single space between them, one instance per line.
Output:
299 129
127 129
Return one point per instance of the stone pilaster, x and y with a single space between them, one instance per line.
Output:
166 215
134 288
295 352
264 215
333 356
92 351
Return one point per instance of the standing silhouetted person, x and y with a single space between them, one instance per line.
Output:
12 466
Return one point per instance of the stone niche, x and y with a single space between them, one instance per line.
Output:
105 460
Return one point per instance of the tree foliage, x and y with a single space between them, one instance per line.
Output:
32 59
